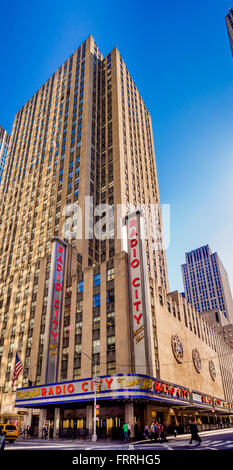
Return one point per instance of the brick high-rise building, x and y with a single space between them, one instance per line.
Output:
206 282
81 292
4 143
229 23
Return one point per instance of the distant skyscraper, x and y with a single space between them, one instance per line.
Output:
206 282
4 143
229 22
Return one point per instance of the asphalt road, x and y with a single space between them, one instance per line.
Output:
211 440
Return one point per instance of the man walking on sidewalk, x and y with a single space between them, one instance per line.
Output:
194 432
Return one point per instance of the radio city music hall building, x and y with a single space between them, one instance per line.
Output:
76 305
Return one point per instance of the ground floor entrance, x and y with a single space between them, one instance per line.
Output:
76 421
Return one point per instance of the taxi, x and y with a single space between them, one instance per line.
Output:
11 432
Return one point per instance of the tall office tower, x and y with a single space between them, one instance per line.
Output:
83 140
4 143
206 282
229 23
83 276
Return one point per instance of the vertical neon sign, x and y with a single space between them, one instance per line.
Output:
54 310
139 316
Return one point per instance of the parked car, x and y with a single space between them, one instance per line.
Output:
11 432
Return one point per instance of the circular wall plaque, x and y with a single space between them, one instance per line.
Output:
177 348
212 370
196 360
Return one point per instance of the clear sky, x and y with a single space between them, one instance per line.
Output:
179 56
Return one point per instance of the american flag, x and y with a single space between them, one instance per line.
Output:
17 369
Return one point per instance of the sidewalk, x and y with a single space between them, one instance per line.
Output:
187 435
132 441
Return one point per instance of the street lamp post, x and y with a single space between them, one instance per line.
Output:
94 436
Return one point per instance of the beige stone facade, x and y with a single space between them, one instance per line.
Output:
87 133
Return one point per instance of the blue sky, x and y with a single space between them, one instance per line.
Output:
179 56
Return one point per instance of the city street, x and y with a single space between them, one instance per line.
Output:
211 440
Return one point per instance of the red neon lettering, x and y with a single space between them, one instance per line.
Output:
137 303
109 381
58 390
54 335
83 385
157 384
57 303
136 293
57 286
59 267
132 222
133 242
133 233
138 318
60 249
60 259
161 388
134 263
43 392
56 313
136 279
51 391
55 322
70 388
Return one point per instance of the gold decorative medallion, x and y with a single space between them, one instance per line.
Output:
177 348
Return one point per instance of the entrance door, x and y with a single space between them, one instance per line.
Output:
35 425
114 427
159 417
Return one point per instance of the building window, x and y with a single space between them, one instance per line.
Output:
80 286
96 300
96 279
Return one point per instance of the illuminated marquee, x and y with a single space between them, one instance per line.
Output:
110 386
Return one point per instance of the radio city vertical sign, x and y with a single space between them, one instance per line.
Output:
54 307
139 315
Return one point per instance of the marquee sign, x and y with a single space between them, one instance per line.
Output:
54 307
139 318
202 399
109 387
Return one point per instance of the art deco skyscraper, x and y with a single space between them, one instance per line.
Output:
229 23
85 135
81 292
4 143
206 282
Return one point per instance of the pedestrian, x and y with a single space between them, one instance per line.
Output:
156 430
152 430
160 428
2 440
194 432
147 431
44 432
125 429
28 431
164 432
129 430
